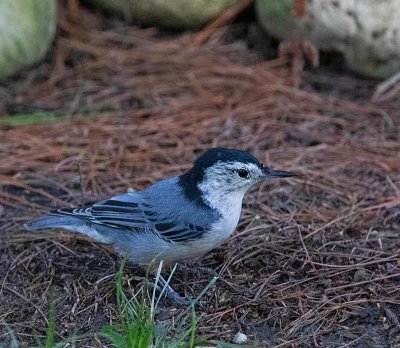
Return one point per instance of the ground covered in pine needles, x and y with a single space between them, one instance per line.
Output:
315 260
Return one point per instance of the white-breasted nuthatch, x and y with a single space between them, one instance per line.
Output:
176 219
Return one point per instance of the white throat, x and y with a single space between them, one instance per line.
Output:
223 190
228 204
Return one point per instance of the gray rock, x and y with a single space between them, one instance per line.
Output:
240 338
366 32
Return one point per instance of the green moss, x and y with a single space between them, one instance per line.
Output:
276 16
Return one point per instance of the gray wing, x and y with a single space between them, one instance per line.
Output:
129 212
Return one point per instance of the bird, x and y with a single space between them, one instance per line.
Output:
176 219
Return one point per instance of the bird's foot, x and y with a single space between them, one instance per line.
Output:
166 290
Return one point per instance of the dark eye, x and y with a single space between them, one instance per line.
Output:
243 173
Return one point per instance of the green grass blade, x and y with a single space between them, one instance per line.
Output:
51 330
115 338
25 119
209 285
193 328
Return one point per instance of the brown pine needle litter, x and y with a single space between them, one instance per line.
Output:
315 261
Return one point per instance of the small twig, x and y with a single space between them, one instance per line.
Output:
387 89
308 258
349 344
82 185
346 286
223 19
392 316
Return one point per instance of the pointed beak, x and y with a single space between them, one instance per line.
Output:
270 173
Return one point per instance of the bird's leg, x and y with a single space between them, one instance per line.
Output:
172 294
197 271
165 289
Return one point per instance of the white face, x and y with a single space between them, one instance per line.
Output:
230 177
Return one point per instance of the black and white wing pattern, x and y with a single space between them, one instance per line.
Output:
129 213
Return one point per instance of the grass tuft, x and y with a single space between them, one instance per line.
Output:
135 328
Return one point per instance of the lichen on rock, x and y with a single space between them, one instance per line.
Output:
365 32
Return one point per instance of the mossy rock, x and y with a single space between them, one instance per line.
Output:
178 14
27 28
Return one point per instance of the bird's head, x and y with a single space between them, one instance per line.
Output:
223 171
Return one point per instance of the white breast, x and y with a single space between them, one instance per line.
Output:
230 212
219 232
229 206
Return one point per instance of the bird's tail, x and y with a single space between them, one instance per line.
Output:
70 220
52 221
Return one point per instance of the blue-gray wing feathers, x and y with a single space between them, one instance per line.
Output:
129 212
